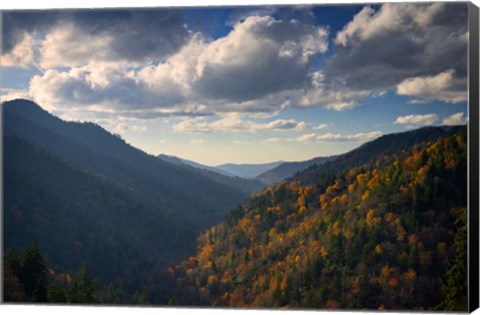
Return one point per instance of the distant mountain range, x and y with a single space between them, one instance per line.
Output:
179 161
288 169
243 184
247 170
248 176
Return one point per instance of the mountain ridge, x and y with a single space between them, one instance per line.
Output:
248 170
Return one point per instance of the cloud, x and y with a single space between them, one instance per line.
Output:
417 120
357 137
281 51
362 136
320 127
163 141
106 86
21 55
12 94
234 123
381 48
97 59
82 37
277 139
198 141
217 74
16 25
306 137
122 127
443 86
325 93
455 119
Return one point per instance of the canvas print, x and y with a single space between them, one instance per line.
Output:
279 157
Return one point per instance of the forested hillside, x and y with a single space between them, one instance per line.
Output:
183 194
28 278
288 169
78 217
387 234
86 195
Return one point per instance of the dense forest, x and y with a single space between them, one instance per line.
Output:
388 234
85 194
28 278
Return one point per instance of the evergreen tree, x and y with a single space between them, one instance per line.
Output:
82 290
56 294
33 274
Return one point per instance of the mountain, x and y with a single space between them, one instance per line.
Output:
247 170
80 216
243 184
388 233
89 147
382 146
179 161
86 194
288 169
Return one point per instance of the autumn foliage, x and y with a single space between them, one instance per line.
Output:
379 236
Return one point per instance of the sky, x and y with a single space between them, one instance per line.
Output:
244 84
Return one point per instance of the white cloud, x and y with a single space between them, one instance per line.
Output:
369 23
163 141
218 74
21 55
360 137
261 67
306 137
123 127
324 93
382 48
417 120
356 26
455 119
81 38
12 94
443 87
320 127
277 140
69 46
234 123
198 141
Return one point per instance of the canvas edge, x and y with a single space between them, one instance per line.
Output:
473 147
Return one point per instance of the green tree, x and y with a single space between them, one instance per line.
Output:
82 290
33 273
56 294
455 285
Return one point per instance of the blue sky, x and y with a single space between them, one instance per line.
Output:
244 84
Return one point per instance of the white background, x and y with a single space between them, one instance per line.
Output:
47 4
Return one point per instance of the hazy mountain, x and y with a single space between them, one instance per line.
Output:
288 169
243 184
179 161
78 216
86 194
93 149
247 170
